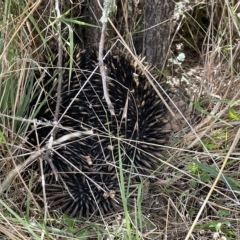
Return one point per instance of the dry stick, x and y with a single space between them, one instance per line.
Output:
59 66
12 174
59 89
102 70
235 141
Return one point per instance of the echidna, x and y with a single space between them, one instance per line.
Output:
118 142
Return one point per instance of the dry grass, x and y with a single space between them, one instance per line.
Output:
196 192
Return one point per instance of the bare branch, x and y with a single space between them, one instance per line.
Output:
102 70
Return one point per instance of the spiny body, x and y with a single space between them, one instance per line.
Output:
118 142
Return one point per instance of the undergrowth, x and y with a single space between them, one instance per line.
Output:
186 201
